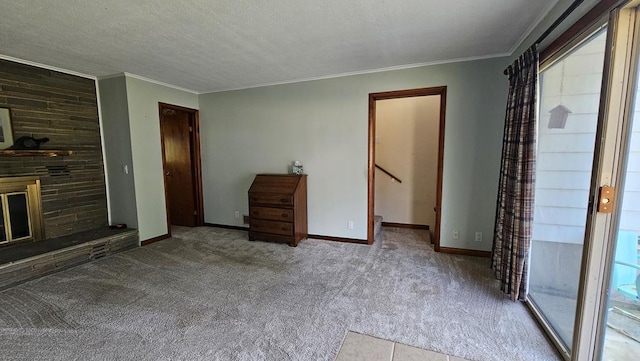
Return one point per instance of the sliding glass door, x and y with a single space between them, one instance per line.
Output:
584 262
569 103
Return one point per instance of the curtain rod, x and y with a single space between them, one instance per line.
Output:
574 5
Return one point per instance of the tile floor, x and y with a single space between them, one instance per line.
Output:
357 347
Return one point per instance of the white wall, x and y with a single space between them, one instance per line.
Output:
407 146
144 122
324 123
117 151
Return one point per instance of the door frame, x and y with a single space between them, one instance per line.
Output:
397 94
196 164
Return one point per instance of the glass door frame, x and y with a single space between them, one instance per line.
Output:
620 98
612 137
587 34
584 35
599 225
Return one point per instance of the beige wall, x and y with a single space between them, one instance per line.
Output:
117 150
144 122
407 146
324 124
139 148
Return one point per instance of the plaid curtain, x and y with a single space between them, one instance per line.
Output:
514 210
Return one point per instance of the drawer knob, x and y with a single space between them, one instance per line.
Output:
284 228
284 215
284 200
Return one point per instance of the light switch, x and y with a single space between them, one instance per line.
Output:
125 169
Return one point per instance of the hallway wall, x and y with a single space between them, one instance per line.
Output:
407 146
324 124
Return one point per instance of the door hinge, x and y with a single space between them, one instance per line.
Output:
191 129
195 213
606 199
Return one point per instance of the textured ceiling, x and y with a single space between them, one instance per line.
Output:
206 45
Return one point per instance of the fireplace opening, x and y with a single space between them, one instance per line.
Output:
20 210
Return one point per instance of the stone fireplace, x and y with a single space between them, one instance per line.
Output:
65 191
53 203
20 210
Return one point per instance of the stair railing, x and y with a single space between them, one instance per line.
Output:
389 174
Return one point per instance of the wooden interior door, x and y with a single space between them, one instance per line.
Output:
180 172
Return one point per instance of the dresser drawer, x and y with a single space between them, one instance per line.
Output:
275 227
271 198
276 214
278 208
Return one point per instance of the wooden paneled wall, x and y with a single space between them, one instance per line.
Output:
63 108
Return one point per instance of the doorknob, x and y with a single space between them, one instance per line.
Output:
168 173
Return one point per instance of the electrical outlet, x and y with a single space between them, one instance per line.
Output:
478 236
350 225
245 219
237 214
455 234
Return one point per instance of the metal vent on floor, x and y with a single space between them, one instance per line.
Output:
58 170
98 251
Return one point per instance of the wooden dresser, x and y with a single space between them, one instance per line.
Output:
278 208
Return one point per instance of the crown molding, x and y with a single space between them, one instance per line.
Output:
362 72
533 26
45 66
149 80
111 76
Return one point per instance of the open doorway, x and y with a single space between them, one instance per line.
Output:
417 142
180 138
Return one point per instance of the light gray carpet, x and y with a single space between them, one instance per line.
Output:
209 294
